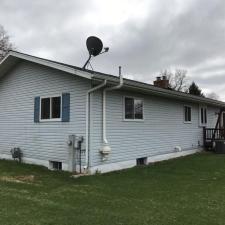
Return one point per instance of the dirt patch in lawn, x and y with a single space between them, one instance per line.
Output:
18 179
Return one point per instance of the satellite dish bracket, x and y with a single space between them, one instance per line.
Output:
89 58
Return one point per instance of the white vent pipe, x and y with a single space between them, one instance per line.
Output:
88 118
106 148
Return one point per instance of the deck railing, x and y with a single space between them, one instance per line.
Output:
212 134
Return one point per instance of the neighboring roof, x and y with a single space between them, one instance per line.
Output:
14 57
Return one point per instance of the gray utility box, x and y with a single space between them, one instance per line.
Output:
220 147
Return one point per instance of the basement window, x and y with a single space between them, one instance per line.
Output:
141 161
50 109
133 108
55 165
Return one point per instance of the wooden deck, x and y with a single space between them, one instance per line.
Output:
210 135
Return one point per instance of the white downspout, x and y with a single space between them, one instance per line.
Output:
105 150
88 117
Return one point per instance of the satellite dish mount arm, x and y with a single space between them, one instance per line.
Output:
89 58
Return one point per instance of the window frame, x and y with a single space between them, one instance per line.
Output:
204 107
51 119
187 122
124 109
222 119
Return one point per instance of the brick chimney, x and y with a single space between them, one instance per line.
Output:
162 82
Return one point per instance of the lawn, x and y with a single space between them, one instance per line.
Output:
188 190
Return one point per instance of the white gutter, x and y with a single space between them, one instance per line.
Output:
88 117
106 148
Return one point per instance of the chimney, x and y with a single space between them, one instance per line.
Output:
162 82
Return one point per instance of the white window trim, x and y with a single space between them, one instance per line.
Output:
221 119
53 119
133 120
200 121
187 122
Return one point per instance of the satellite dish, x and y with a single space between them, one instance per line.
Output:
94 45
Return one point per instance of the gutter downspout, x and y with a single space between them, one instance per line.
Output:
105 150
88 118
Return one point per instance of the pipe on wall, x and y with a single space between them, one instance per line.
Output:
105 147
88 118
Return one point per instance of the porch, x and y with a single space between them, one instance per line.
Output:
212 135
215 135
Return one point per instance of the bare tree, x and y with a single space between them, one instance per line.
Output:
166 73
213 95
5 44
177 80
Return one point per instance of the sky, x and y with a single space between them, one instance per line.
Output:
144 37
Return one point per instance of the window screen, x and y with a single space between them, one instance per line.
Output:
187 113
129 108
45 108
51 108
133 108
56 107
203 115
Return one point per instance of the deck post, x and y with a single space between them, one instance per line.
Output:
204 137
217 124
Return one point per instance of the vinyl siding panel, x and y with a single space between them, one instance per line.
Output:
43 140
162 129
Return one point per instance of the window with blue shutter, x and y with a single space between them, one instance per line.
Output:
55 108
36 109
65 107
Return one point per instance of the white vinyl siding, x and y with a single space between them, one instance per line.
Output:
39 141
162 129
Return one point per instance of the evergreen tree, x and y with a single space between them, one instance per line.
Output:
195 90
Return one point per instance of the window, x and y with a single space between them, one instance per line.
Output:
133 109
203 115
141 161
56 107
55 165
51 108
187 114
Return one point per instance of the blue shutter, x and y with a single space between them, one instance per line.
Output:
36 109
65 107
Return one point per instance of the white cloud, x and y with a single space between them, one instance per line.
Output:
144 36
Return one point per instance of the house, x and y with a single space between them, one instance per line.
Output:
64 117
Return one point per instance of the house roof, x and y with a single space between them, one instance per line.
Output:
14 57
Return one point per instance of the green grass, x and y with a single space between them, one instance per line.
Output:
189 190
